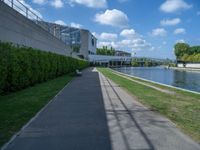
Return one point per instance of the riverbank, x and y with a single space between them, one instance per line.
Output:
187 80
18 108
181 107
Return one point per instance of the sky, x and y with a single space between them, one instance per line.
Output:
147 28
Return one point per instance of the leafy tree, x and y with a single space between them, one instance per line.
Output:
180 49
194 50
135 64
186 53
106 51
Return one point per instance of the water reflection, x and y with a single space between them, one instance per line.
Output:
177 78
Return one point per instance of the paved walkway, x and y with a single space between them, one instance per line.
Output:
92 113
74 120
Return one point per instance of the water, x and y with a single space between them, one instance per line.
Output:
182 79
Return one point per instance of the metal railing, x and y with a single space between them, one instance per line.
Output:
31 15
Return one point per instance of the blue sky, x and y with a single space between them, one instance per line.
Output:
146 27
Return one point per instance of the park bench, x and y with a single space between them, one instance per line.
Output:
78 73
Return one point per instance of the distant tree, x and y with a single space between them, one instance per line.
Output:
194 50
180 49
147 63
185 57
106 51
135 64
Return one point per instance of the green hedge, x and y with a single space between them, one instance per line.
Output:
21 67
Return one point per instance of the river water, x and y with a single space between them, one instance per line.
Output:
178 78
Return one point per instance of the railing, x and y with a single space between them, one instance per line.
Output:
30 14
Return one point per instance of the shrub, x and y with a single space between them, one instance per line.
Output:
21 67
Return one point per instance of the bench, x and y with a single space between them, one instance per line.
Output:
78 73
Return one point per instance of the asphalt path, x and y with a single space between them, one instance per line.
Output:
93 113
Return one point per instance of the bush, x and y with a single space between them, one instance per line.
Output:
21 67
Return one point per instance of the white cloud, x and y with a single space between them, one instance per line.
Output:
170 6
60 22
128 44
152 48
112 17
159 32
109 44
164 42
198 13
40 2
128 33
136 44
170 22
91 3
180 41
72 24
179 31
108 36
57 3
129 40
75 25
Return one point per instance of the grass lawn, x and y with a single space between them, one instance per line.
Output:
18 108
183 108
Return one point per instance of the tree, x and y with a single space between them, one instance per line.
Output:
180 49
135 64
106 51
194 50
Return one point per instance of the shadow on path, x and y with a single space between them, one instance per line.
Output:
135 127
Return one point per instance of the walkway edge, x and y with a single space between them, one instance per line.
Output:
34 117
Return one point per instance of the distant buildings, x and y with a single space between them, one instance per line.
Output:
120 58
122 53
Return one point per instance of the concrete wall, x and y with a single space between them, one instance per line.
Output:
84 43
92 48
189 65
180 65
17 29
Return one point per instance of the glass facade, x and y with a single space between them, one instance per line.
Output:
73 37
69 35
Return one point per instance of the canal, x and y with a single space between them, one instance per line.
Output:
178 78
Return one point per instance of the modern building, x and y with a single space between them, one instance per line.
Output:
81 41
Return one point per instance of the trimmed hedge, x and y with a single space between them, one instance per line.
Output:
21 67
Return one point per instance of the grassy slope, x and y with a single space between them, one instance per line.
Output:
17 108
183 108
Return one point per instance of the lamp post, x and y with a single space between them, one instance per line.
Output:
133 55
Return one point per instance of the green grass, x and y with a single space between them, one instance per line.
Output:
183 108
18 108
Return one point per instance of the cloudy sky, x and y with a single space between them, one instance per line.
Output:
148 27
